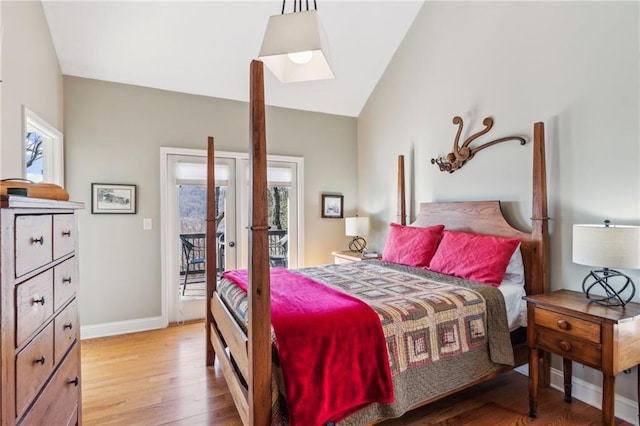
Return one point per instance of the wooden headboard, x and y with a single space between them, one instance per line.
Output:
485 217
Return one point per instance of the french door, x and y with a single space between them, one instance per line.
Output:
183 222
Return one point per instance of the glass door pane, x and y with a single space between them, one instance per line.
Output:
192 211
278 216
282 204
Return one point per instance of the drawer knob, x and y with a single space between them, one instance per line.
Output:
564 345
37 240
563 325
39 301
69 326
66 233
40 360
74 381
66 280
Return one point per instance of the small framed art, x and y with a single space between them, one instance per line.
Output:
332 206
113 198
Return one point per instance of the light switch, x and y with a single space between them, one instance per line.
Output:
147 224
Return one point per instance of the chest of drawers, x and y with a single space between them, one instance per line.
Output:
39 325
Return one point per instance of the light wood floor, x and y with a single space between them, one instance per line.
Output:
159 378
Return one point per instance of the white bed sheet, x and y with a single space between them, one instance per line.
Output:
516 307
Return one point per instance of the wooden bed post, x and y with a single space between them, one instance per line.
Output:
402 211
211 246
540 232
259 313
540 216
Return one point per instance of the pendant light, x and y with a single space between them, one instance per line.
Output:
295 46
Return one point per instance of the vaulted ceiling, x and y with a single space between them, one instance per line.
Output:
205 47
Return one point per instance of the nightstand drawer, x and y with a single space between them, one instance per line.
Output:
568 325
569 347
340 260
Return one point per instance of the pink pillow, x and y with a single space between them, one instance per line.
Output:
411 245
476 257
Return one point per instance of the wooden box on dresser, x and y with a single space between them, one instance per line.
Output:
39 328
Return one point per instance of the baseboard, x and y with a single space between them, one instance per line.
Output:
121 327
625 409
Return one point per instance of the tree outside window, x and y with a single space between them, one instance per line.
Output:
34 156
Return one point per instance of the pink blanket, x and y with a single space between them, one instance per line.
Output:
331 345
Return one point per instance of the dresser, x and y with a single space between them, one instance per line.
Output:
39 328
566 323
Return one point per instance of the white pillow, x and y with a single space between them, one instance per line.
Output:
515 268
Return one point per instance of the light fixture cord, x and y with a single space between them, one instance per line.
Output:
297 5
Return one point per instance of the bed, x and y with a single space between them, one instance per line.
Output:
239 308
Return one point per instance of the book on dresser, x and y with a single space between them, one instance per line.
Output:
39 324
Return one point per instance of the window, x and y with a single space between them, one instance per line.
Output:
43 150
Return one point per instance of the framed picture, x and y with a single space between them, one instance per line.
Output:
332 206
113 198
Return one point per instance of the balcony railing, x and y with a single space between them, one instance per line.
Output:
278 250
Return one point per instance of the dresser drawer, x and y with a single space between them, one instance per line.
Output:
64 235
33 243
34 364
568 325
65 282
58 403
569 347
66 330
34 304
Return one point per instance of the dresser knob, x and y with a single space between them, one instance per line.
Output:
563 325
66 280
69 326
66 233
40 360
39 301
37 240
564 345
74 381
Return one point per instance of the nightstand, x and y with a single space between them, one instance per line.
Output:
348 256
565 323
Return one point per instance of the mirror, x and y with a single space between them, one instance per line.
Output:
43 150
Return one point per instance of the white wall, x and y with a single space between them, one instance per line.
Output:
30 76
113 134
573 65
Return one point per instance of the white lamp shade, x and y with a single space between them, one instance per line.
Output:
607 247
292 33
356 226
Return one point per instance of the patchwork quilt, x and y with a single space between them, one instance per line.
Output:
441 331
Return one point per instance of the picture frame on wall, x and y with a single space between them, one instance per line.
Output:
113 198
332 206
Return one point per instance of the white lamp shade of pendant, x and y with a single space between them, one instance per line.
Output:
607 247
295 47
356 226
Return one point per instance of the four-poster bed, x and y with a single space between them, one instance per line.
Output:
240 334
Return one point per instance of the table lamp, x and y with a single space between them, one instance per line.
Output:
356 227
607 246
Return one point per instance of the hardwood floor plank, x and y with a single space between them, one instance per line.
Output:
159 378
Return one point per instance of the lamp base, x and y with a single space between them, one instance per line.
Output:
601 279
357 244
